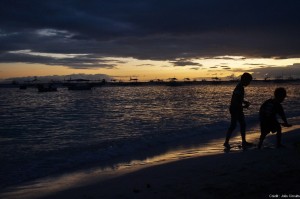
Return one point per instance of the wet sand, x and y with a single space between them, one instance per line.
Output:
211 173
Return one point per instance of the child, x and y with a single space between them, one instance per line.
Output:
236 110
267 115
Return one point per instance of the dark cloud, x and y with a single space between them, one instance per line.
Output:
183 62
78 61
251 64
149 29
195 68
145 65
228 58
60 77
225 67
273 72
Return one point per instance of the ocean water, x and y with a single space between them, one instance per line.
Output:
44 134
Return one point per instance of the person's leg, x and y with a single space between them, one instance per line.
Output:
242 126
230 129
242 122
264 131
278 135
263 134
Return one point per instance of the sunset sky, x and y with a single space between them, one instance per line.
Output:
149 39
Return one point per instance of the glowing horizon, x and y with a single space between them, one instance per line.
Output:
145 70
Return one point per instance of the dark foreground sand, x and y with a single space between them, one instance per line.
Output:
265 173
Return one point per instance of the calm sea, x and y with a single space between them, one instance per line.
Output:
43 134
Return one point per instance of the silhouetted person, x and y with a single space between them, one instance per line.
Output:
267 115
236 110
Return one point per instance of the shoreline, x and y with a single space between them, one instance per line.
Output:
207 172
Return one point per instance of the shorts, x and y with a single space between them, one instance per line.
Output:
269 126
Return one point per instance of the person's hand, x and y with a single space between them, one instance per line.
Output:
286 124
246 104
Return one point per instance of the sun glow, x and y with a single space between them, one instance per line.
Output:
144 70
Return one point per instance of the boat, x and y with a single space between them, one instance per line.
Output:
80 86
46 87
173 82
216 80
83 84
23 86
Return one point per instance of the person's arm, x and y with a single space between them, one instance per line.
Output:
246 104
283 117
238 97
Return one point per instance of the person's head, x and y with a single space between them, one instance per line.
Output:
280 94
246 78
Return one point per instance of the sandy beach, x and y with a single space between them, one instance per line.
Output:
252 173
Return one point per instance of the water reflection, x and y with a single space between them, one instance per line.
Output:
64 129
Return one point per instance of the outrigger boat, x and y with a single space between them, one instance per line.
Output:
46 87
83 84
79 84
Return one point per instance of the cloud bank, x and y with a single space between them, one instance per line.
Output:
146 29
